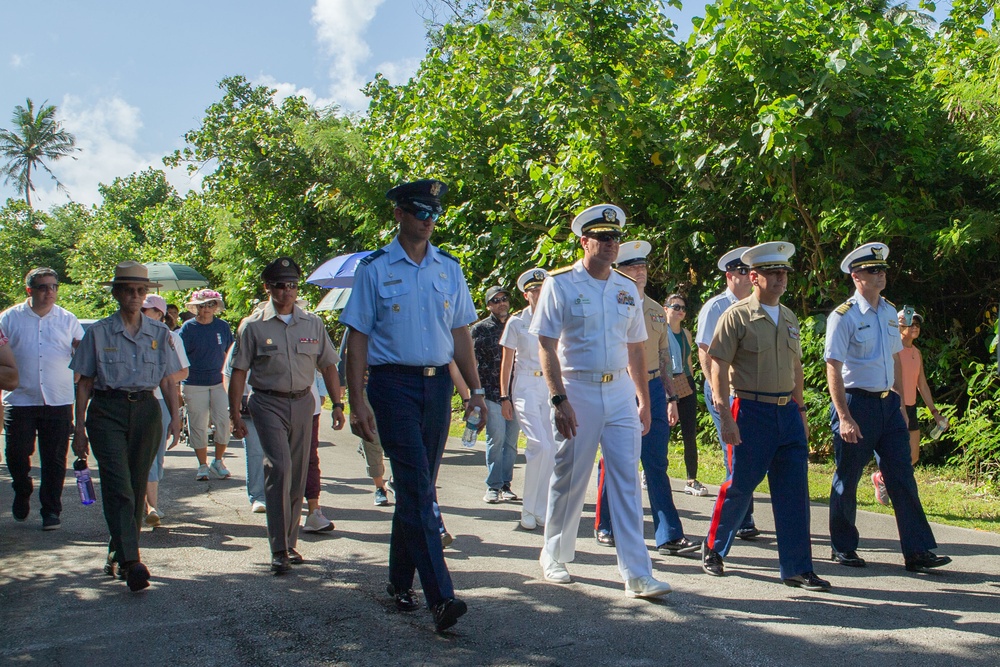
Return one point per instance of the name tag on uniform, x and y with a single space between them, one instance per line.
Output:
867 326
111 349
582 300
268 348
308 340
393 282
625 298
893 323
793 333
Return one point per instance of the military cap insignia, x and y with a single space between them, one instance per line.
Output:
538 275
435 188
877 254
781 248
609 215
284 262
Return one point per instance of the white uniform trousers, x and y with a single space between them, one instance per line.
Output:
606 414
531 403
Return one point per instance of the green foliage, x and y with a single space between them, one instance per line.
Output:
977 431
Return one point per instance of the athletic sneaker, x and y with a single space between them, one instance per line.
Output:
381 499
881 493
257 507
695 488
507 494
492 496
153 518
202 474
317 523
219 469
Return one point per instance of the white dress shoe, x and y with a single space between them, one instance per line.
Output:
528 522
646 587
553 570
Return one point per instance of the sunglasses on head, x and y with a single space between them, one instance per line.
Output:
606 237
498 299
422 215
676 306
284 285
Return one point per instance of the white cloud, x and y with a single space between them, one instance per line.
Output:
340 26
16 60
399 72
106 133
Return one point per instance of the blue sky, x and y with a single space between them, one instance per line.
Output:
130 78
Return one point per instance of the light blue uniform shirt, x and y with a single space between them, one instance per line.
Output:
408 310
708 316
864 339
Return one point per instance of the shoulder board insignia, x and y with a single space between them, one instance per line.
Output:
365 261
565 269
447 254
891 304
623 275
844 307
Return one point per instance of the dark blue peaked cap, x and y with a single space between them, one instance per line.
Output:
424 194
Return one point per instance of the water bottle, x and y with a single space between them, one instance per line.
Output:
471 428
940 427
84 484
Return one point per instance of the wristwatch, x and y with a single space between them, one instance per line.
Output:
338 405
478 392
673 399
557 399
504 398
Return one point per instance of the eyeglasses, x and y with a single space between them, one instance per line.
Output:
46 287
208 304
606 237
874 270
422 215
288 286
498 299
134 291
676 306
741 270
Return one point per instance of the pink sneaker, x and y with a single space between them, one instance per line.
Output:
881 494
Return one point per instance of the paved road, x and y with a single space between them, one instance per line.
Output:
214 602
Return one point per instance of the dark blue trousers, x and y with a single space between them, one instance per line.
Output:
883 432
773 444
666 522
413 413
748 519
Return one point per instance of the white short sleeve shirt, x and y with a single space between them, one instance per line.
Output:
43 348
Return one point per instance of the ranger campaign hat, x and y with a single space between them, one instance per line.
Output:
733 260
423 195
868 256
768 256
633 252
493 291
531 279
131 273
600 218
283 269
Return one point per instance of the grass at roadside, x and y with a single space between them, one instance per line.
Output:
946 498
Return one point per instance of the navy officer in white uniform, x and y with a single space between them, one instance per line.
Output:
867 415
408 317
591 331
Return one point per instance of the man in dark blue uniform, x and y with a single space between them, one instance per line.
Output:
408 317
867 415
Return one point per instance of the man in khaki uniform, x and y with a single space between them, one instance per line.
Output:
121 360
765 431
282 346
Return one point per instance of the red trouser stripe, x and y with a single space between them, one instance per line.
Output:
717 511
600 493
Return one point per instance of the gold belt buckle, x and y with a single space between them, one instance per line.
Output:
607 377
430 371
884 394
537 374
783 400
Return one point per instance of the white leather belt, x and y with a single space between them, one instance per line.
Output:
526 371
587 376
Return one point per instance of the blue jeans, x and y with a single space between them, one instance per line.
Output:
413 413
748 519
666 522
501 447
255 462
884 432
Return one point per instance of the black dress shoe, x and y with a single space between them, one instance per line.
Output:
295 558
748 532
712 562
405 600
280 562
679 547
808 581
136 576
21 507
925 560
605 537
848 558
447 613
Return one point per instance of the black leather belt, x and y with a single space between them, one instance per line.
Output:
283 394
779 398
121 394
869 394
426 371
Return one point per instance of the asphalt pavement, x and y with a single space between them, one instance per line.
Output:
213 600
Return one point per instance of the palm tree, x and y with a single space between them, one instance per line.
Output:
34 138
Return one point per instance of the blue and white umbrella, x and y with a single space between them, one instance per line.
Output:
337 272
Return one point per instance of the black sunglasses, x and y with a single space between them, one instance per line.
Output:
676 306
284 285
874 270
46 287
742 271
606 237
498 299
422 215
